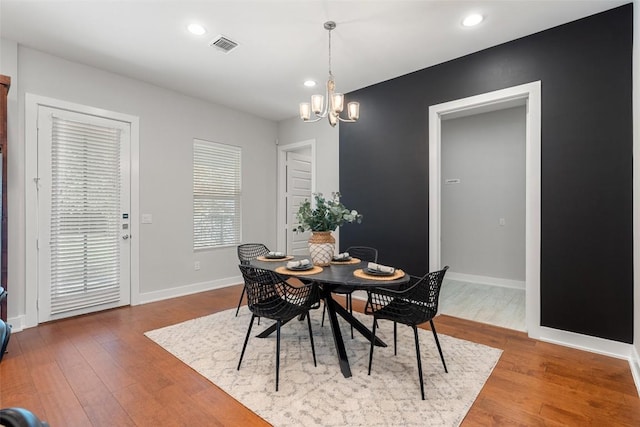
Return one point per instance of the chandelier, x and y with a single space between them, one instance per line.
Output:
335 101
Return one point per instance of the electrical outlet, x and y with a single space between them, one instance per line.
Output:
502 222
196 265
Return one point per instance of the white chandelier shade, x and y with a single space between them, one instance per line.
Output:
335 100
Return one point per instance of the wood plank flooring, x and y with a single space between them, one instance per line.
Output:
100 370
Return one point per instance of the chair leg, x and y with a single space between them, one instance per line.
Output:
240 301
395 338
350 307
324 310
313 348
240 304
373 340
246 340
435 335
277 353
415 334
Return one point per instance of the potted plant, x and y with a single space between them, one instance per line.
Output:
321 220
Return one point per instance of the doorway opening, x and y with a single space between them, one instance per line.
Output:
529 96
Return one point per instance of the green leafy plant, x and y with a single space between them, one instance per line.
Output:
327 214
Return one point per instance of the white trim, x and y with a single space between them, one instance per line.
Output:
32 102
282 179
486 280
634 364
194 288
597 345
531 92
17 323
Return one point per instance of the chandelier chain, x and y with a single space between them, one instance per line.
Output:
330 73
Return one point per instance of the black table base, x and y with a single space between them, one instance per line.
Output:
333 309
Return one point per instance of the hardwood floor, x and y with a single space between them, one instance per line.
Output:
100 370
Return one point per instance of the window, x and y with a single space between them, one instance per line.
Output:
216 195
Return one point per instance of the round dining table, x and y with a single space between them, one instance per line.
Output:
351 274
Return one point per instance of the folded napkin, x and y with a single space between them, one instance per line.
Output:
276 253
342 256
381 268
297 264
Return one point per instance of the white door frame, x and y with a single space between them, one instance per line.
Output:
531 94
281 238
32 102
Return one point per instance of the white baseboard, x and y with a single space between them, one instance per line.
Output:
597 345
485 280
17 323
180 291
634 363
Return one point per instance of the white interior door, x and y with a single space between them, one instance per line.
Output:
298 188
83 213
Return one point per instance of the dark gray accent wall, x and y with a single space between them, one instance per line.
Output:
586 237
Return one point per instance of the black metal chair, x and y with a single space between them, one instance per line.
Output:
269 296
413 305
363 253
246 253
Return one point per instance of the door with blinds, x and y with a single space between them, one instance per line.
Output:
83 213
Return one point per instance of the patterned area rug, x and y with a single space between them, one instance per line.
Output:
321 396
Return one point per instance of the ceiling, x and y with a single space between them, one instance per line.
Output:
281 43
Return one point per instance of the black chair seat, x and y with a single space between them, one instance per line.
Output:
275 308
405 312
342 290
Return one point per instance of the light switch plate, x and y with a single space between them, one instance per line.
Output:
147 218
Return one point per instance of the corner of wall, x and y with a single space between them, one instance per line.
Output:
635 362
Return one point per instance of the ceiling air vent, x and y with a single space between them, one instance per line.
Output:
224 44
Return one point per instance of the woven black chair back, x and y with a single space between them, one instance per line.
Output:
250 251
364 253
268 295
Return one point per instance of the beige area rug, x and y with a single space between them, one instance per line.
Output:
321 396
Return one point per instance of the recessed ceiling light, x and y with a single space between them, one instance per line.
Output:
309 83
196 29
472 20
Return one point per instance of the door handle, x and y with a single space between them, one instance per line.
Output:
125 237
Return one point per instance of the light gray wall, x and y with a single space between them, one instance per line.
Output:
487 153
168 123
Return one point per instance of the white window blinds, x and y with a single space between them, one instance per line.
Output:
85 208
216 194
